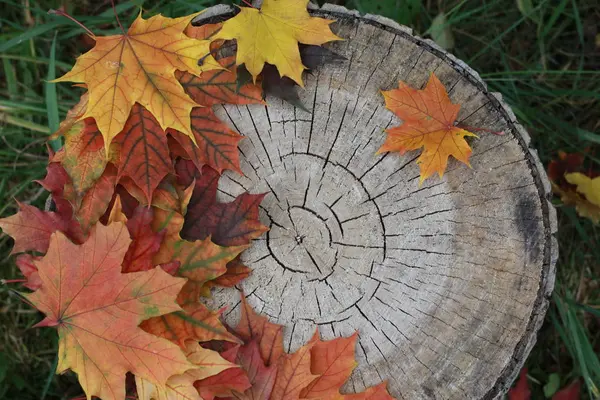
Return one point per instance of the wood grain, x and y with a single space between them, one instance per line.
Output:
447 282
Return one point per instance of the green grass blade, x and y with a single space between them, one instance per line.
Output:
29 34
51 98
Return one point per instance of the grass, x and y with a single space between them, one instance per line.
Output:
543 56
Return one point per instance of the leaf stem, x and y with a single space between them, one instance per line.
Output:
472 128
117 15
64 14
246 2
7 281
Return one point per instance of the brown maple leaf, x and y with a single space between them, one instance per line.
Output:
428 118
228 224
97 310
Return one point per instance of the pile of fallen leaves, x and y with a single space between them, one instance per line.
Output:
135 237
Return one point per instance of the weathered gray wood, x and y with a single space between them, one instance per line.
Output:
448 282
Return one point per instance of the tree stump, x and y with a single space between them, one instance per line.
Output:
447 282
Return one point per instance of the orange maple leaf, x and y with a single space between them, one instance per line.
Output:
181 387
428 118
97 310
197 323
333 361
317 370
293 374
139 66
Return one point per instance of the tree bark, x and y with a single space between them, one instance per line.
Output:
447 282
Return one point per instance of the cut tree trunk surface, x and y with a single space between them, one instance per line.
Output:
447 282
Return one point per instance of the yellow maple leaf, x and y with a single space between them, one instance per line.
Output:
271 34
428 118
589 187
139 66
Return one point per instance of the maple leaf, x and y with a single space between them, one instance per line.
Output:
428 122
261 377
220 86
74 115
521 390
333 361
229 224
97 310
575 186
226 383
378 392
217 144
139 66
145 243
293 374
589 187
236 272
26 265
31 228
94 203
571 392
271 35
207 363
57 182
83 155
143 151
202 261
197 322
268 336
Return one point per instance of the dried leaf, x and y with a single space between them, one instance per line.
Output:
202 261
236 272
267 335
26 265
96 200
220 86
145 243
143 151
294 373
261 377
97 310
428 118
333 361
521 390
217 145
229 224
271 35
181 387
571 392
378 392
139 66
31 228
196 322
83 155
